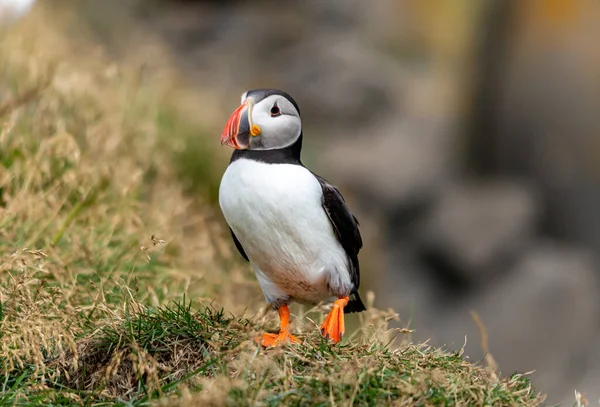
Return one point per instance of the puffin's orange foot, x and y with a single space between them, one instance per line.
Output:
284 335
277 339
333 328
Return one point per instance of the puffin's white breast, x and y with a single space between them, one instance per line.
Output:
276 212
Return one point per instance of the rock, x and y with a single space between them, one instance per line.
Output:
589 384
323 65
407 155
339 15
402 162
341 88
544 118
475 229
406 287
542 317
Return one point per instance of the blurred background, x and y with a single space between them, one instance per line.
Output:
465 135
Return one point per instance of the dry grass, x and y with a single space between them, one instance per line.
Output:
99 247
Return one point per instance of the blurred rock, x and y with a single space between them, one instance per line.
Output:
328 15
476 228
554 140
408 287
342 87
322 64
402 163
543 316
589 384
403 158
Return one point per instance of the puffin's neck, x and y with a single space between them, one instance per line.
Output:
286 155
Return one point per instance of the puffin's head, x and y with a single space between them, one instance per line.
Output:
267 119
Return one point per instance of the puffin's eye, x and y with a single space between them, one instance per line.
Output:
275 110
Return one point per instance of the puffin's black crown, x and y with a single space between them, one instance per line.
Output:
260 94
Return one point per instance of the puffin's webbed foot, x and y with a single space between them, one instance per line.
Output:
277 339
284 335
333 328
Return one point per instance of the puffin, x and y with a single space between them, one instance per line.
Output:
292 225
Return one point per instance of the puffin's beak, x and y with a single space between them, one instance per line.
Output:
238 128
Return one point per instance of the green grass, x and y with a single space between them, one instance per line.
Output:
156 353
102 247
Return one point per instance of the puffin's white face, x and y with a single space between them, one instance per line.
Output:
266 120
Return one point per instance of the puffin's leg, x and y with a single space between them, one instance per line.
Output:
333 327
284 332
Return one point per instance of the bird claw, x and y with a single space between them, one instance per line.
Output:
268 339
333 327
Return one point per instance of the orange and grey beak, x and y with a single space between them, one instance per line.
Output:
239 127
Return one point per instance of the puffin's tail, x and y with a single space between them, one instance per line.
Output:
355 304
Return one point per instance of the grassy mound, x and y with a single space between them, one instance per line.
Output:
100 246
183 357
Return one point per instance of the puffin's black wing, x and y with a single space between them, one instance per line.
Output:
345 226
238 245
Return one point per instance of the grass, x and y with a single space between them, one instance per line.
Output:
181 356
104 238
